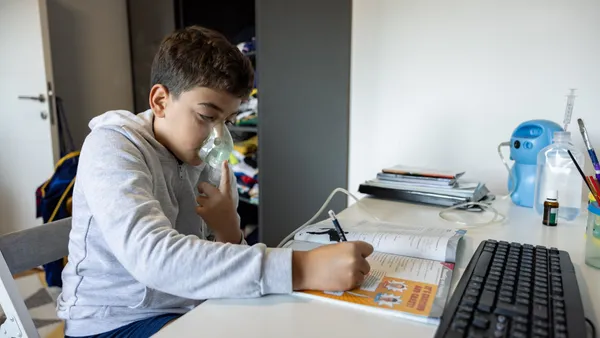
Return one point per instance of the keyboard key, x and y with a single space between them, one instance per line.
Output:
540 323
518 334
468 300
490 287
486 302
459 324
523 301
472 292
466 308
521 320
477 279
474 334
540 332
560 328
482 264
540 311
481 322
520 328
463 315
505 299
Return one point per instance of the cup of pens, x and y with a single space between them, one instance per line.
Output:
592 236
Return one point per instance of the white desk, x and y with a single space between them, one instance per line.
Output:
289 316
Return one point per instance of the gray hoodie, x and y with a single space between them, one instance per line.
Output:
137 248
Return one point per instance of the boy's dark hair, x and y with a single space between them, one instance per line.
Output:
197 56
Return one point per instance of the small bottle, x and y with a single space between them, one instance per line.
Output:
551 209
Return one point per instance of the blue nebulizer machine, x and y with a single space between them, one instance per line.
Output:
525 143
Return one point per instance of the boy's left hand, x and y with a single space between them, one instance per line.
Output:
217 208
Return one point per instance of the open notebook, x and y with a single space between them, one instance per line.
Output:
411 268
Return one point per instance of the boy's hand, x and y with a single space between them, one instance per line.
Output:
217 208
334 267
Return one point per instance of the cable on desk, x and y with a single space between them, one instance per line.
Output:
498 217
323 207
592 327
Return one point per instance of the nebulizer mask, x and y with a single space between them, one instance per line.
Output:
217 148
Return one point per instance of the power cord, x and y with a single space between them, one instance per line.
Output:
323 207
510 175
498 217
592 327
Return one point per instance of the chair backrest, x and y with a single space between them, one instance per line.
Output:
21 251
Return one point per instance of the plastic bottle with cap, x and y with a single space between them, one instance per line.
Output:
557 172
551 209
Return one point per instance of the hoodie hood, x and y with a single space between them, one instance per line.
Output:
136 127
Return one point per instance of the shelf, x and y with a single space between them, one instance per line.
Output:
247 200
246 129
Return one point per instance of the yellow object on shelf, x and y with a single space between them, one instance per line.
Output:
248 146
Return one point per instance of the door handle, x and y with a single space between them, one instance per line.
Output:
40 98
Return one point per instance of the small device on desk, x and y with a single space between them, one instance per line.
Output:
515 290
525 143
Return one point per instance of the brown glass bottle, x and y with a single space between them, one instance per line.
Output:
551 209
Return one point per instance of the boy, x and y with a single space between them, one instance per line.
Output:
151 238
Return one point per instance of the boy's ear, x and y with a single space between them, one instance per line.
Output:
159 96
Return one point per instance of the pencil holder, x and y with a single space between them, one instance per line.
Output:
592 234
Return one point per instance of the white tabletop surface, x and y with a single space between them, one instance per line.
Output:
290 316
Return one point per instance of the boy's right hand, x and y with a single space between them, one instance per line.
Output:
335 267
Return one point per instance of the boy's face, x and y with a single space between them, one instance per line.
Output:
182 124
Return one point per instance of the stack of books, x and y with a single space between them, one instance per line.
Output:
421 185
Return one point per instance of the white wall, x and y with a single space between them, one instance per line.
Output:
441 83
91 59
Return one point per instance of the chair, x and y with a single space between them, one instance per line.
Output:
21 251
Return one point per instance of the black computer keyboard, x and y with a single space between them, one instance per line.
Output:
515 290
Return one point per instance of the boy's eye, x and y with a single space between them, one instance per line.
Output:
207 117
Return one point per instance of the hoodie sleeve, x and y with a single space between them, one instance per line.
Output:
118 188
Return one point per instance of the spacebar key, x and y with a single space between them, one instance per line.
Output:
511 310
482 264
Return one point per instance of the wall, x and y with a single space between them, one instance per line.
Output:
148 25
442 83
91 59
303 67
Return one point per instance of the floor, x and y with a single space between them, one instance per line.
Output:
41 303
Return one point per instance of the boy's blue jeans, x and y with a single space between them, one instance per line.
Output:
140 329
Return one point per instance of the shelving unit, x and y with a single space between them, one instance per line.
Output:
235 20
243 129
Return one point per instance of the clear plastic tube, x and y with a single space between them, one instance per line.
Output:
323 207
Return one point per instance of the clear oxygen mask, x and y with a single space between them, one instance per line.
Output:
216 149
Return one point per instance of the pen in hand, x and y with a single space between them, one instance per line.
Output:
337 226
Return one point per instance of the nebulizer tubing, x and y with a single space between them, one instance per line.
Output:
323 207
498 217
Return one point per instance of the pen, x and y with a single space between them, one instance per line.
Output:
589 147
337 226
